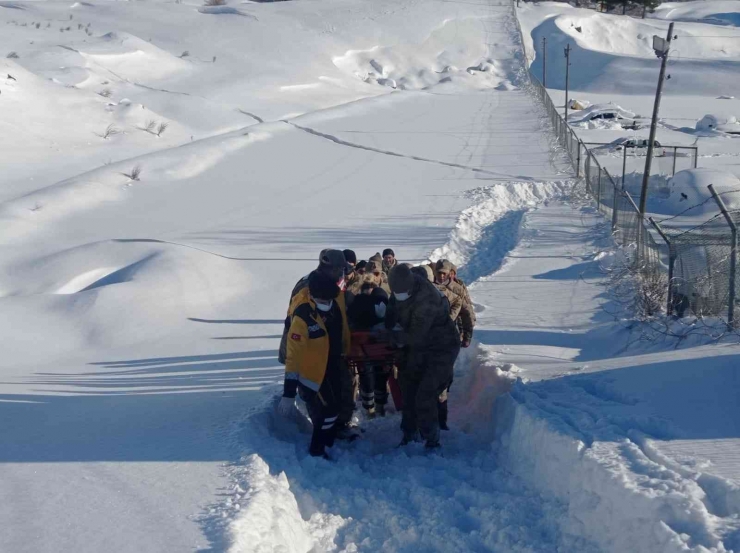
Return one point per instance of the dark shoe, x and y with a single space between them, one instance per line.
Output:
432 445
347 433
380 410
409 437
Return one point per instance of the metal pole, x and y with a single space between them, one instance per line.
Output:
567 78
624 166
615 210
671 264
675 153
733 253
544 62
654 124
578 161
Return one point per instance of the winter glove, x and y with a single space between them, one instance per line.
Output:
286 407
466 343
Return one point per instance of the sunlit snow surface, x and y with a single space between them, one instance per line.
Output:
141 317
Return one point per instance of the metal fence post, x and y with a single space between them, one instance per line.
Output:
733 253
624 166
615 210
578 160
598 190
671 265
675 153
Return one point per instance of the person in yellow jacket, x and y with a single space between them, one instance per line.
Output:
318 338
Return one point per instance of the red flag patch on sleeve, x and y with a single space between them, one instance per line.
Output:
296 337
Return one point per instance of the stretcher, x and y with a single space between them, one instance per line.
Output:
375 347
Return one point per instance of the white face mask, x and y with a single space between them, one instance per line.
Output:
324 306
403 296
380 310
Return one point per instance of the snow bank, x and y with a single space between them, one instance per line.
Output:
613 54
270 520
585 439
455 52
490 228
718 12
689 188
726 123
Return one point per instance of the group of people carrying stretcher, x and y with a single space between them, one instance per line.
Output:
420 316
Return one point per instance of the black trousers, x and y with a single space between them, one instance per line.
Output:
373 385
323 409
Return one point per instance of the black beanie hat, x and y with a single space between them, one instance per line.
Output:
361 265
350 256
322 287
388 251
401 279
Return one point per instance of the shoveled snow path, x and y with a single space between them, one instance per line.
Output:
379 497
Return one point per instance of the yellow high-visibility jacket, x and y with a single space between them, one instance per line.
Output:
308 342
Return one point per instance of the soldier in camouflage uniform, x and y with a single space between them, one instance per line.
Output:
466 318
430 346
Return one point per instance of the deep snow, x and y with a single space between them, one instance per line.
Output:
141 318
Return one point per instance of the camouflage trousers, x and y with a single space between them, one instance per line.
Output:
422 381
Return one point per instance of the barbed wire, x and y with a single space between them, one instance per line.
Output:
697 205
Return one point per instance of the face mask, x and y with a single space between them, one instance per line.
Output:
324 306
403 296
380 310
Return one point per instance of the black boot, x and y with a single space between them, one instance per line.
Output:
442 412
409 437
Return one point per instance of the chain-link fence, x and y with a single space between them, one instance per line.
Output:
626 159
687 270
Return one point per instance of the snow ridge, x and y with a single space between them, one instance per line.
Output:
488 229
621 493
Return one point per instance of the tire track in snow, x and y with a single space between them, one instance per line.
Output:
341 142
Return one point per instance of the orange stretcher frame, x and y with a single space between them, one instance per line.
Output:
375 347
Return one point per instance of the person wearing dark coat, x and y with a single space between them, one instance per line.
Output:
430 344
366 313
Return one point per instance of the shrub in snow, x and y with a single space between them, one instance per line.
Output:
134 173
214 3
106 93
110 130
12 56
161 128
185 54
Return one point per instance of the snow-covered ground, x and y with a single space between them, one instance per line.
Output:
141 317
